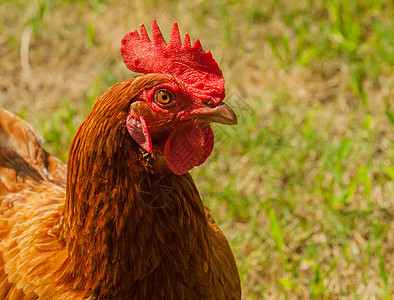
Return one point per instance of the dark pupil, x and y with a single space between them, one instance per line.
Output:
164 97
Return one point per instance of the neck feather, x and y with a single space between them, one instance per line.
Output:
125 212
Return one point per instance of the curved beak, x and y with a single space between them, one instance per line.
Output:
222 114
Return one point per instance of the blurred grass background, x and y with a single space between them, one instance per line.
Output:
303 186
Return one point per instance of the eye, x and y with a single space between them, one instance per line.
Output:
164 97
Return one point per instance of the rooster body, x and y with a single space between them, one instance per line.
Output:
130 223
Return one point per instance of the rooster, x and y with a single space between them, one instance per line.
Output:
125 220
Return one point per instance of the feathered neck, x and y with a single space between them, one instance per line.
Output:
125 211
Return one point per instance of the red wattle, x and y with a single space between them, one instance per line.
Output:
187 147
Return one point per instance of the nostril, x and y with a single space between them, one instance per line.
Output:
209 103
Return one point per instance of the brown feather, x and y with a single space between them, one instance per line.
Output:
111 234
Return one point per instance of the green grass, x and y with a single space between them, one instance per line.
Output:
303 187
307 196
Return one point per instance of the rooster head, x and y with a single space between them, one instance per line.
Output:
182 95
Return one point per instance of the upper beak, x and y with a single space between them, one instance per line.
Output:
222 114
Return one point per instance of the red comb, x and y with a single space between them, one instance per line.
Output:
189 64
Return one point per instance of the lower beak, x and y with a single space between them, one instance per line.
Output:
222 114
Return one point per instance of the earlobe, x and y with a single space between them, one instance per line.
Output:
139 132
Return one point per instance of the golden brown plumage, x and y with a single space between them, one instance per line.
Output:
126 226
